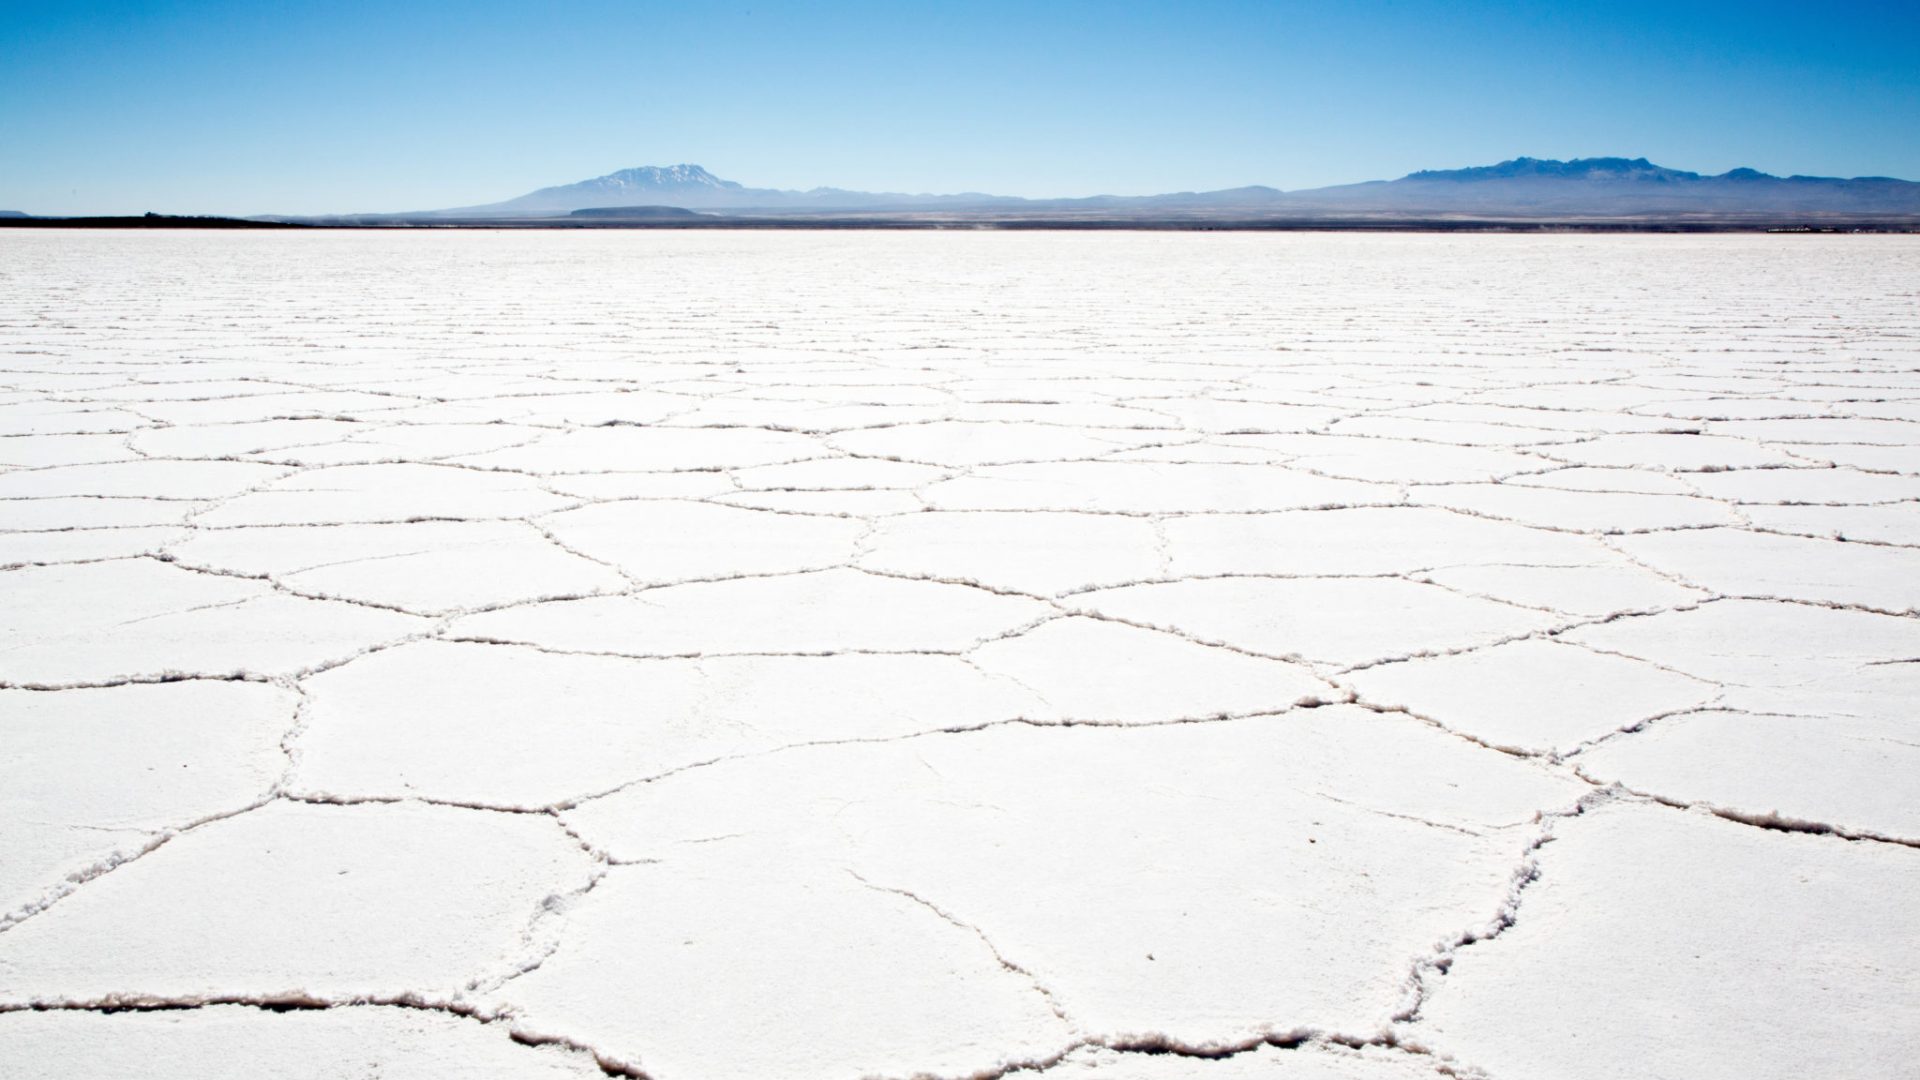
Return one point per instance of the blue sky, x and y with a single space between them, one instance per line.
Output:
201 107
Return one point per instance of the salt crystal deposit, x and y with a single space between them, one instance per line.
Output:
718 655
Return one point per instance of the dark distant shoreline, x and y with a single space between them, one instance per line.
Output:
147 221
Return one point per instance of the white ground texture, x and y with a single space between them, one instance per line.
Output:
741 656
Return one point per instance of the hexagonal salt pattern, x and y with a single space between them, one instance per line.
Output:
835 655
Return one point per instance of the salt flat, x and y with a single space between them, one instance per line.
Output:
1148 657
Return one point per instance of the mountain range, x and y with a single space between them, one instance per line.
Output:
1521 189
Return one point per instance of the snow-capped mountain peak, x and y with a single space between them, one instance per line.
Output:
658 178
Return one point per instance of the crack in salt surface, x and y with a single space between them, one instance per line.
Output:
1040 988
299 1002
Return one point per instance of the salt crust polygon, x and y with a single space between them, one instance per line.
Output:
412 442
820 612
1093 669
865 505
174 479
1038 553
1859 775
1584 511
1897 459
386 492
431 567
1162 486
302 907
84 545
1385 460
1809 486
648 449
1534 696
1118 915
1889 523
1574 590
516 727
49 450
60 512
38 419
956 444
1680 453
836 474
1741 563
663 542
1452 432
642 485
1619 480
1554 411
1756 643
141 619
1641 950
843 980
252 408
1369 540
155 757
1229 416
1818 430
1335 621
238 440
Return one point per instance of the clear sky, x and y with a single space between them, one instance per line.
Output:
205 106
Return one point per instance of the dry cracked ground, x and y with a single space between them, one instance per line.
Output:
822 656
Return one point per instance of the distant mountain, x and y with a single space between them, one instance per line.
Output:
14 213
692 187
1603 189
1618 187
688 184
1607 168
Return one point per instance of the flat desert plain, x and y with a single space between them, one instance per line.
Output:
746 656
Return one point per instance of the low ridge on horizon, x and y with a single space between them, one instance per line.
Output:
1519 186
